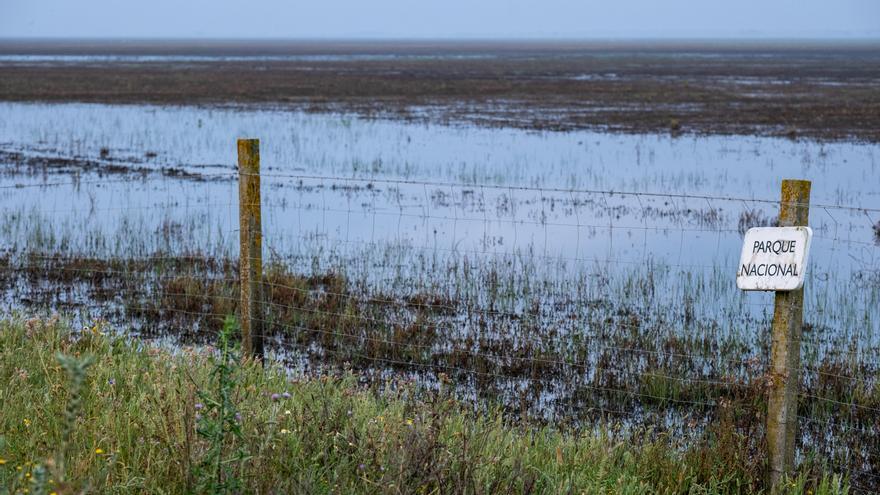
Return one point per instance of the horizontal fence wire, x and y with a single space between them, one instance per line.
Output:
160 174
609 192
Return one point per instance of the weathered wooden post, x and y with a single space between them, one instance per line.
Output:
775 258
251 247
785 354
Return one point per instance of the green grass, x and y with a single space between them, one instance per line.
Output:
136 429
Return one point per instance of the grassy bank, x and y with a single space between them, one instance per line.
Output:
103 414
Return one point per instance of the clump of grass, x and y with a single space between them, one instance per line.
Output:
754 218
324 434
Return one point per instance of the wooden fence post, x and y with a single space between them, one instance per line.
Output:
785 356
251 247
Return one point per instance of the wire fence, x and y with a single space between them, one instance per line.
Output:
567 306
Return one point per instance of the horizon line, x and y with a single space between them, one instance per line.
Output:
875 36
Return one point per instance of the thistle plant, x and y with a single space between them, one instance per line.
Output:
218 423
76 374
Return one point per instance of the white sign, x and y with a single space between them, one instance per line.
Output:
774 258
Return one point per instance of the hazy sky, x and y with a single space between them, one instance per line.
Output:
439 18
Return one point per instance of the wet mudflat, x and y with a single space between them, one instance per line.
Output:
824 91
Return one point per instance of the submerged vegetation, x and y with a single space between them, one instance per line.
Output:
147 420
615 352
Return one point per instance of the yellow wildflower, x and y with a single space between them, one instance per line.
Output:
27 422
2 461
99 451
96 329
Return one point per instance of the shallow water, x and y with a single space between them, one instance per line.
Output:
293 141
352 149
380 197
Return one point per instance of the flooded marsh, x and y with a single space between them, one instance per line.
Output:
569 276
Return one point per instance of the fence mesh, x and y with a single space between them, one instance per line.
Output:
576 307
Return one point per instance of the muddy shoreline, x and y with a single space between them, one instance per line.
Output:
825 92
